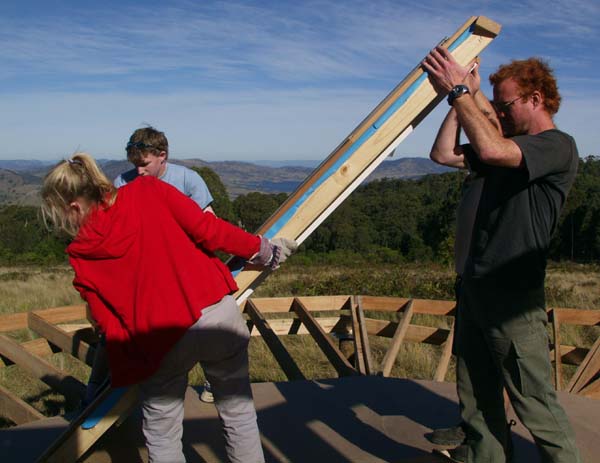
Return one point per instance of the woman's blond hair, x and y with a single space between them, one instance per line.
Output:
73 178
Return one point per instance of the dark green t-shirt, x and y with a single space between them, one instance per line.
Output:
519 208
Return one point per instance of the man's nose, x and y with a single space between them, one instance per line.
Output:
141 170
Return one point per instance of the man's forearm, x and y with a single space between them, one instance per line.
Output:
446 148
486 140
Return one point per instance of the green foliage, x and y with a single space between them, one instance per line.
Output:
255 208
222 205
578 237
24 238
413 218
386 221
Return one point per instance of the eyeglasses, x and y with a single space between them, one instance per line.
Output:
502 106
138 145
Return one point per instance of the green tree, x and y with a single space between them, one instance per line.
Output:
222 205
25 239
253 209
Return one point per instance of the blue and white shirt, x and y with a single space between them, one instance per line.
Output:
185 180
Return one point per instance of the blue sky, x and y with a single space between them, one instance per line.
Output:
255 80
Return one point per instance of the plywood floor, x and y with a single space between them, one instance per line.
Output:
358 419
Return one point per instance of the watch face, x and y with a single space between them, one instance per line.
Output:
457 91
460 89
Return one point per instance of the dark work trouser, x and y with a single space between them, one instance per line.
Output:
501 341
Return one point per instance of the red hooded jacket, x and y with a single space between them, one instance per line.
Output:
146 268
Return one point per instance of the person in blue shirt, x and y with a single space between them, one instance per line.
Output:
148 151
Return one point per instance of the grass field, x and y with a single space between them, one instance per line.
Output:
27 288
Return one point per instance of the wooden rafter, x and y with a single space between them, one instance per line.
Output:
402 328
376 137
587 371
68 342
281 354
16 409
442 368
41 368
415 333
331 351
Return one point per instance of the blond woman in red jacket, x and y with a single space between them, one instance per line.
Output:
144 262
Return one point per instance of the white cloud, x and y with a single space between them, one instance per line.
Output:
241 79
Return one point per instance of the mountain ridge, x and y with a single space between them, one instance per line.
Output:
20 181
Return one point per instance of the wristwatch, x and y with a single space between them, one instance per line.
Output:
457 92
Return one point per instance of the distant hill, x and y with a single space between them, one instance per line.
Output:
310 163
241 177
18 165
20 184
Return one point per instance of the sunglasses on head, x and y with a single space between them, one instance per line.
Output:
138 145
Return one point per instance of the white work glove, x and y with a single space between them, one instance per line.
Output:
274 252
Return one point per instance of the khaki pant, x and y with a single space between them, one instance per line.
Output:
219 341
501 341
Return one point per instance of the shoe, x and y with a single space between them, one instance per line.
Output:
207 395
457 455
447 437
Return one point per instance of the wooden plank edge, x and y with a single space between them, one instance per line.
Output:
16 409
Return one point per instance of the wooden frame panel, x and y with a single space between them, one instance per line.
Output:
311 303
13 322
16 409
40 368
281 354
577 316
587 371
67 342
331 351
415 333
401 329
397 304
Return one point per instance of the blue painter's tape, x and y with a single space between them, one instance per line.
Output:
412 88
280 223
102 410
462 37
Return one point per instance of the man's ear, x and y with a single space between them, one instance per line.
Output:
537 99
163 156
